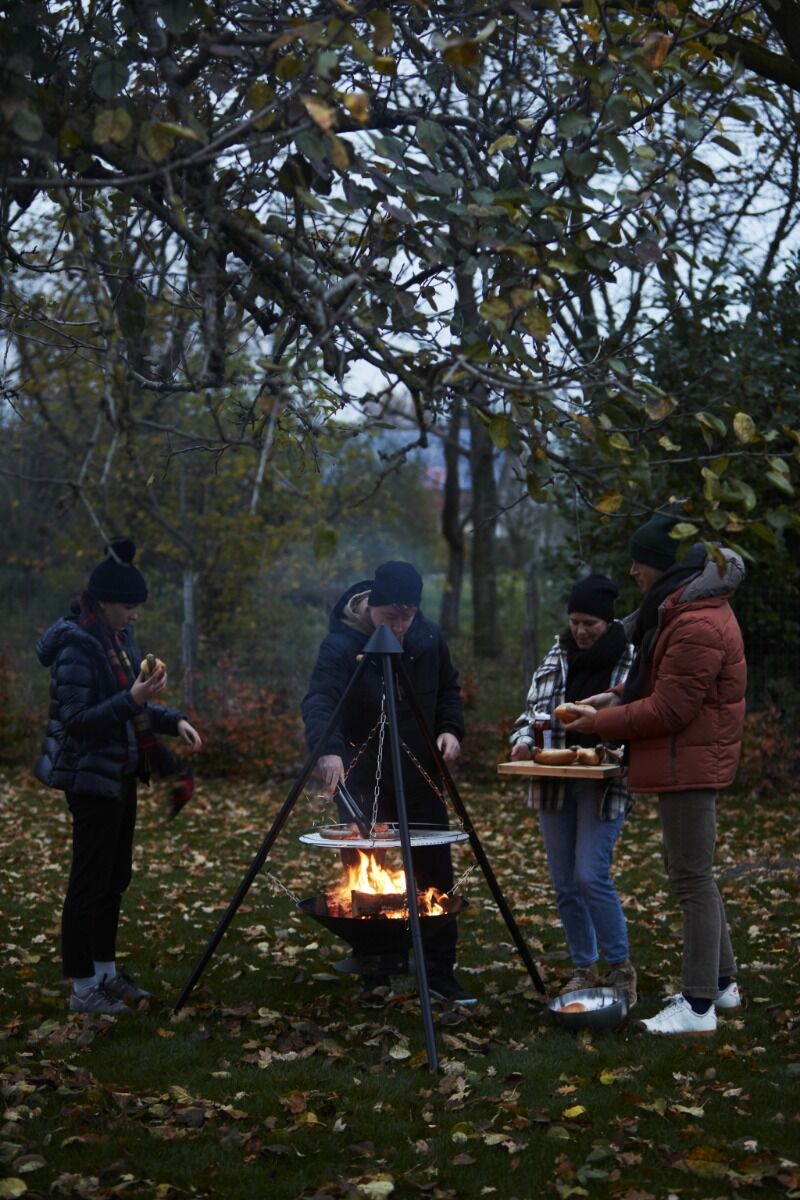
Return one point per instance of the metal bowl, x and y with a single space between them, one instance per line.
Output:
606 1008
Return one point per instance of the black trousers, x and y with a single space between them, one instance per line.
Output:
102 860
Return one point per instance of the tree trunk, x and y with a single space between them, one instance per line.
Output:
530 634
486 623
452 525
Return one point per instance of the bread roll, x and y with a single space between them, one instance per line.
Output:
567 713
589 756
555 758
149 665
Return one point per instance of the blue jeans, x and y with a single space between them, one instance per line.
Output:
580 849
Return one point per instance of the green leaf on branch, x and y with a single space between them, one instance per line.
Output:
780 481
109 78
430 136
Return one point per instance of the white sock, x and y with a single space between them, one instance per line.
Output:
103 969
82 987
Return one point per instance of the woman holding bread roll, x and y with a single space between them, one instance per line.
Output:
99 741
581 820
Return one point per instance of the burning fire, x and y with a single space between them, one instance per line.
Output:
369 877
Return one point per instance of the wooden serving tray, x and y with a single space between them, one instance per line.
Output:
529 769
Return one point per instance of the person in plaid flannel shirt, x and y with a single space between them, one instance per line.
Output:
581 820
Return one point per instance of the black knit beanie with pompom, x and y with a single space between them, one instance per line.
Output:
116 580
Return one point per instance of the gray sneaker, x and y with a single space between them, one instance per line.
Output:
97 1000
124 987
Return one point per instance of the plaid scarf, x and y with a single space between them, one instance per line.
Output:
125 675
152 752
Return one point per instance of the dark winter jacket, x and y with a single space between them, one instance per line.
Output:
426 659
90 741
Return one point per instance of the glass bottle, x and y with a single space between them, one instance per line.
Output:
542 730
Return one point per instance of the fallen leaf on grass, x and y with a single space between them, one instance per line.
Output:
374 1187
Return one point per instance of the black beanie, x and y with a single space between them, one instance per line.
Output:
116 580
594 596
396 583
651 543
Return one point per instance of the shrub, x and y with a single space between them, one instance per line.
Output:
770 752
248 728
21 726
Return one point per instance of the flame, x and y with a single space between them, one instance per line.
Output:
371 876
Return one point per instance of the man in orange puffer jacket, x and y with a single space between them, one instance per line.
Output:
681 713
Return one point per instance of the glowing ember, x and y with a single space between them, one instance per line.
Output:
371 878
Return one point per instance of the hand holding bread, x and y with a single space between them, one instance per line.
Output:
567 713
151 680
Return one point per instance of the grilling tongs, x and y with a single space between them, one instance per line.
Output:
353 811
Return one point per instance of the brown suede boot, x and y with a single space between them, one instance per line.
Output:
622 975
581 977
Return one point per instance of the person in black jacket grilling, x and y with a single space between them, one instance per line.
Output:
100 740
352 752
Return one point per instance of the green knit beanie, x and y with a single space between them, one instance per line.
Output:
651 543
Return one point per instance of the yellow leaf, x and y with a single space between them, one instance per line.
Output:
13 1187
155 144
357 104
576 1111
659 407
384 64
707 1161
609 502
321 113
504 142
112 125
744 427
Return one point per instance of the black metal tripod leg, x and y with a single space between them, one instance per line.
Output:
408 864
477 848
267 844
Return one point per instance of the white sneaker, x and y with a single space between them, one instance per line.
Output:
680 1018
730 997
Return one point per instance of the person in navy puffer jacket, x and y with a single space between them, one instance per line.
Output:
101 734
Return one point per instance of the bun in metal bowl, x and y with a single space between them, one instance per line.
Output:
602 1008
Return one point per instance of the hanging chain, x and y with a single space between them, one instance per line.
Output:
379 762
363 746
462 879
281 886
436 791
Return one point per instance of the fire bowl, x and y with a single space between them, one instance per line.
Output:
605 1008
370 936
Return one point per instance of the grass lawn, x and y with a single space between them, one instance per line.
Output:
275 1081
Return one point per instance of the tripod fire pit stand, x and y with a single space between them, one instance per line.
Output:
384 646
